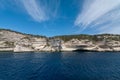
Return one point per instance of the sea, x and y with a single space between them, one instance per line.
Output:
60 66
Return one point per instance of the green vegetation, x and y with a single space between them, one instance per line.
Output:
9 44
23 33
69 37
93 38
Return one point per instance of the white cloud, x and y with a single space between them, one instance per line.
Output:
52 7
41 10
104 14
35 10
38 10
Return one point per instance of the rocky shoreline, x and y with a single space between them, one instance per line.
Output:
19 42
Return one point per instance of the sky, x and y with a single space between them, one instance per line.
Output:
61 17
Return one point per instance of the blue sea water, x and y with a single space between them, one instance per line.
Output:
60 66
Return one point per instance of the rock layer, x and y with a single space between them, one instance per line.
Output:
19 42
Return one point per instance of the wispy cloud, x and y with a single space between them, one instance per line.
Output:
38 10
41 10
52 7
35 10
103 14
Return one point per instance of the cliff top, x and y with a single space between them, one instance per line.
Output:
97 37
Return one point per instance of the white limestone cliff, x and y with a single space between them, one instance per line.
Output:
19 42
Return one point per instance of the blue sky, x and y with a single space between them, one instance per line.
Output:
61 17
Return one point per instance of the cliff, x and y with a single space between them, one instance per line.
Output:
20 42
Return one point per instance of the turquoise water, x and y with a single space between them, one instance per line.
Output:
60 66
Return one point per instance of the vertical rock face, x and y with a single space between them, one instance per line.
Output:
103 42
39 43
24 44
20 48
8 38
19 42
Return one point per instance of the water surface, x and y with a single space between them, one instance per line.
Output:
60 66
